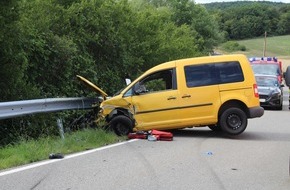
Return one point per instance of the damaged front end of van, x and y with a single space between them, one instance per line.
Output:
113 113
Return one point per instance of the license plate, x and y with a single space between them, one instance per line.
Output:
262 100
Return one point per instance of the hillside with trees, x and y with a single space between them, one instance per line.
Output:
248 19
235 4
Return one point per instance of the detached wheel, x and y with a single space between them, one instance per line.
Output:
233 121
122 125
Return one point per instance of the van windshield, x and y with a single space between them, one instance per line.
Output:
266 69
119 91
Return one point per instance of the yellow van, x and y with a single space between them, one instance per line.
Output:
215 91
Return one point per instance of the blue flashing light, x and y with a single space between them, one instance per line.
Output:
263 59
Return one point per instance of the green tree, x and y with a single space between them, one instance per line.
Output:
284 24
13 60
203 26
248 20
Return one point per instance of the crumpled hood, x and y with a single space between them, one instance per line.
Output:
92 86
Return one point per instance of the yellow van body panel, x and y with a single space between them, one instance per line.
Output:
161 111
199 104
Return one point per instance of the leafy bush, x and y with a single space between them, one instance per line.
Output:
233 46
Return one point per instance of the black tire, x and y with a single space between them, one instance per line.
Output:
122 125
233 121
280 107
215 127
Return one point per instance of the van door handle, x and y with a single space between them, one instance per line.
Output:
186 96
171 98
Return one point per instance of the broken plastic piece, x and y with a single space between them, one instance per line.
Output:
56 156
152 138
209 153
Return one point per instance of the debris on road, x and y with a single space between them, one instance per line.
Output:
209 153
56 156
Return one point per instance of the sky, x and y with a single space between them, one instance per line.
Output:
211 1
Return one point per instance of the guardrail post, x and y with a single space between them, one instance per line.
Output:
60 127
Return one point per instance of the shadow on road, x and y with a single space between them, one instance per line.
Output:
265 136
247 135
197 132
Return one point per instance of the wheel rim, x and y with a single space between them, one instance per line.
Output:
234 121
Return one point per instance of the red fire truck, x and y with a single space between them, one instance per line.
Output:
267 66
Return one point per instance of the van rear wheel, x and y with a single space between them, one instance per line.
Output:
122 125
233 121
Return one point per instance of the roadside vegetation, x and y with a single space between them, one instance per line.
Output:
28 151
231 46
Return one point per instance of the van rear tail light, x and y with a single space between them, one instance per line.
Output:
256 93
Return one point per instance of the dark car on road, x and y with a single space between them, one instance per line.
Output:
270 91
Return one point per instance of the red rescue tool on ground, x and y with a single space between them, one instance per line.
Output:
159 135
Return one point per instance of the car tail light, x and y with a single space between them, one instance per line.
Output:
280 79
256 93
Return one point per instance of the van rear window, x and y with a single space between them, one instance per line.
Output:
211 74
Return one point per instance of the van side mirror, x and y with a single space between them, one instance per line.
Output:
128 81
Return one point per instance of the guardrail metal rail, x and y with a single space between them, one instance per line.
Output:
26 107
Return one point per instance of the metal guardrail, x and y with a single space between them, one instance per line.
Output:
25 107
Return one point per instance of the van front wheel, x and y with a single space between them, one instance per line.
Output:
233 121
122 125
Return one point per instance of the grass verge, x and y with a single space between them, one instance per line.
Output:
28 151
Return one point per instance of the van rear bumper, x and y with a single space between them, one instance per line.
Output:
256 112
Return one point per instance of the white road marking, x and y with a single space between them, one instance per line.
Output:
65 158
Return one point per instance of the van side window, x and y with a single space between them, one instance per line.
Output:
159 81
211 74
200 75
230 72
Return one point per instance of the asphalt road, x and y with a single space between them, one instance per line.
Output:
196 159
